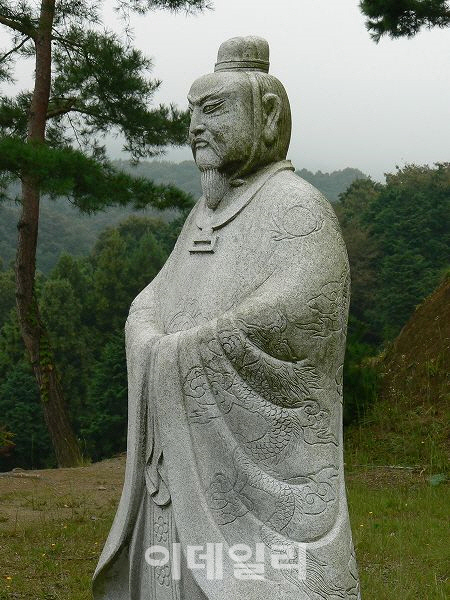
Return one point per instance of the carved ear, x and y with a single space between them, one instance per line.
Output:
272 109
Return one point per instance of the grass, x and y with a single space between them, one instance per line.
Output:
52 530
400 531
51 560
402 433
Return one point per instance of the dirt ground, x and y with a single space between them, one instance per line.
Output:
27 496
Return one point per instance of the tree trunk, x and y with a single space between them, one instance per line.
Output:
34 335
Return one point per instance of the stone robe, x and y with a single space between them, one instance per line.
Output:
235 355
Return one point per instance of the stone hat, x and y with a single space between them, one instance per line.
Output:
248 53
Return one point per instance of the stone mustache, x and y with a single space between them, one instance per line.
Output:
235 355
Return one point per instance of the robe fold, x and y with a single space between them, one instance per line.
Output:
235 355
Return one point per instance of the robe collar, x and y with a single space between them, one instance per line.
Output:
238 198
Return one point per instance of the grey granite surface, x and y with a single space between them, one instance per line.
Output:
235 356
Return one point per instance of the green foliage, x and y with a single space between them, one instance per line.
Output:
361 379
87 83
13 114
410 221
363 252
104 81
87 333
404 18
104 420
78 231
398 237
90 183
21 414
124 261
100 82
7 293
61 312
399 431
12 350
83 303
6 441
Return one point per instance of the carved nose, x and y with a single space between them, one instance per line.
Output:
197 128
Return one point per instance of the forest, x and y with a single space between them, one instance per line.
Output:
91 267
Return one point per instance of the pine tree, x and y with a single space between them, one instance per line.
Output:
87 82
404 18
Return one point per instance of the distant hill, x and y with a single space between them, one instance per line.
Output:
332 184
408 424
64 229
183 175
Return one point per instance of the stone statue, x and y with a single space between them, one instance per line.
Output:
234 485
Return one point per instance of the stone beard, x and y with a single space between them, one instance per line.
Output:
235 356
215 185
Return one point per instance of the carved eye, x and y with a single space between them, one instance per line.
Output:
212 106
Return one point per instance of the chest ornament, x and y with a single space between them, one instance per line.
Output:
204 241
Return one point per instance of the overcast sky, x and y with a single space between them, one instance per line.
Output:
354 103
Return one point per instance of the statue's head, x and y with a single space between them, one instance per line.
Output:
241 119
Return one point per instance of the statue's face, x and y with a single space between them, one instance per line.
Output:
221 130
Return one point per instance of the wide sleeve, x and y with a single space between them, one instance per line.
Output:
141 336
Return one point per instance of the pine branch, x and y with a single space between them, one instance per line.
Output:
15 49
18 26
92 185
63 109
65 41
143 6
71 107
